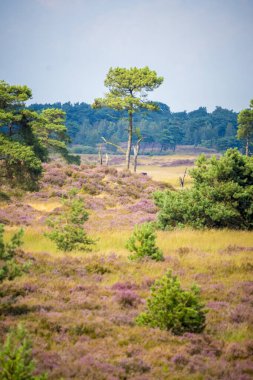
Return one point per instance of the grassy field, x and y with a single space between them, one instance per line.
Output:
80 307
166 168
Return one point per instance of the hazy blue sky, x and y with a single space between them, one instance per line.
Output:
63 49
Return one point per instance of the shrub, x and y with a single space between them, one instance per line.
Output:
16 357
172 308
9 267
68 238
68 232
221 196
143 243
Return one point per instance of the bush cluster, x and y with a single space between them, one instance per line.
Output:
221 196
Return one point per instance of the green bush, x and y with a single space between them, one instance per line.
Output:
221 196
67 228
172 308
143 243
16 357
9 267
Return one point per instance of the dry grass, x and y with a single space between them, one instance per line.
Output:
46 206
80 328
166 174
155 168
71 312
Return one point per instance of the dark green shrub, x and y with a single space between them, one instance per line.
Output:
9 267
16 357
221 196
172 308
143 243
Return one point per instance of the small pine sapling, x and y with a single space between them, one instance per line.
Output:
143 243
172 308
16 357
67 228
9 267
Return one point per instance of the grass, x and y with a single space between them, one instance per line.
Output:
154 167
73 313
47 206
80 328
165 174
209 241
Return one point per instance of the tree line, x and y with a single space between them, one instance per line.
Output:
162 130
122 119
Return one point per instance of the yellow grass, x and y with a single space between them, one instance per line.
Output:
169 174
47 206
209 241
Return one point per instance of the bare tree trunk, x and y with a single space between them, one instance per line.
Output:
247 147
182 179
136 152
100 156
106 159
130 137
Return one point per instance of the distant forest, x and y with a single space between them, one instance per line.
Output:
161 130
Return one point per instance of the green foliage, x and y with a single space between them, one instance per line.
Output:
67 228
172 308
21 166
27 137
221 196
143 243
128 88
161 129
16 357
9 267
245 126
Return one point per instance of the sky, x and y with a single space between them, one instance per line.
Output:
63 49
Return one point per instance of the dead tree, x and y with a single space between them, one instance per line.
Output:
116 146
136 152
182 179
136 147
100 155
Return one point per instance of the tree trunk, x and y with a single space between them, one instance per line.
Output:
100 155
182 179
136 152
130 137
247 147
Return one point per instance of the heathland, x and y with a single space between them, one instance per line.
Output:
80 307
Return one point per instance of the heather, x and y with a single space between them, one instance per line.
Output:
80 308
